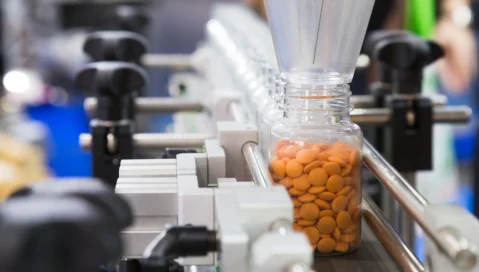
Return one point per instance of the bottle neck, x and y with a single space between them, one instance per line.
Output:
316 104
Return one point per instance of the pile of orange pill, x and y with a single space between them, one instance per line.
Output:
323 181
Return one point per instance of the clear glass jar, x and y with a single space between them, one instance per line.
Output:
317 156
271 114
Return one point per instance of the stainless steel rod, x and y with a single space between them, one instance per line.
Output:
377 116
158 140
408 232
172 61
258 168
152 105
368 101
456 249
389 238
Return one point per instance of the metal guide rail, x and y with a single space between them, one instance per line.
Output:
378 233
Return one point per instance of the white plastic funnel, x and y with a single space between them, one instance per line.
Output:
318 41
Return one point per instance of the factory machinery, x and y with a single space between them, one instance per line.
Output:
209 202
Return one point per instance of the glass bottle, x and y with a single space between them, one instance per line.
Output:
316 155
271 115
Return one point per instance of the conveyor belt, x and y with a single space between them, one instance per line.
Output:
370 257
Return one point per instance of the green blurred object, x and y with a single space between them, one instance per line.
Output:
421 17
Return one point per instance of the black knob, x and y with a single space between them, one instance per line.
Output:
90 190
114 83
132 18
55 234
371 44
115 46
407 56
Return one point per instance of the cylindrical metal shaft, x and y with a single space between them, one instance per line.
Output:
258 168
408 232
153 141
389 238
456 114
414 203
152 105
368 101
171 61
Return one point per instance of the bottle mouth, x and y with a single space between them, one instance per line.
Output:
317 98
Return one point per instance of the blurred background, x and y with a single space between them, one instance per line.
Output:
42 115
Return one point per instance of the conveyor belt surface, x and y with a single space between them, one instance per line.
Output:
370 257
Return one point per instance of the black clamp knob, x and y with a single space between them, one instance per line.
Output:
115 46
114 83
112 132
89 190
375 40
132 17
407 56
45 229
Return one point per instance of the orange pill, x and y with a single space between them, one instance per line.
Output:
295 192
353 204
326 225
297 227
318 177
335 183
294 169
351 194
305 156
341 247
322 204
347 238
326 213
279 168
323 147
282 143
312 233
286 160
339 204
323 156
286 182
349 229
302 182
343 155
338 161
345 191
326 245
327 196
346 170
343 220
307 198
354 158
306 223
315 164
296 202
309 211
289 151
296 215
331 168
337 235
316 150
316 189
